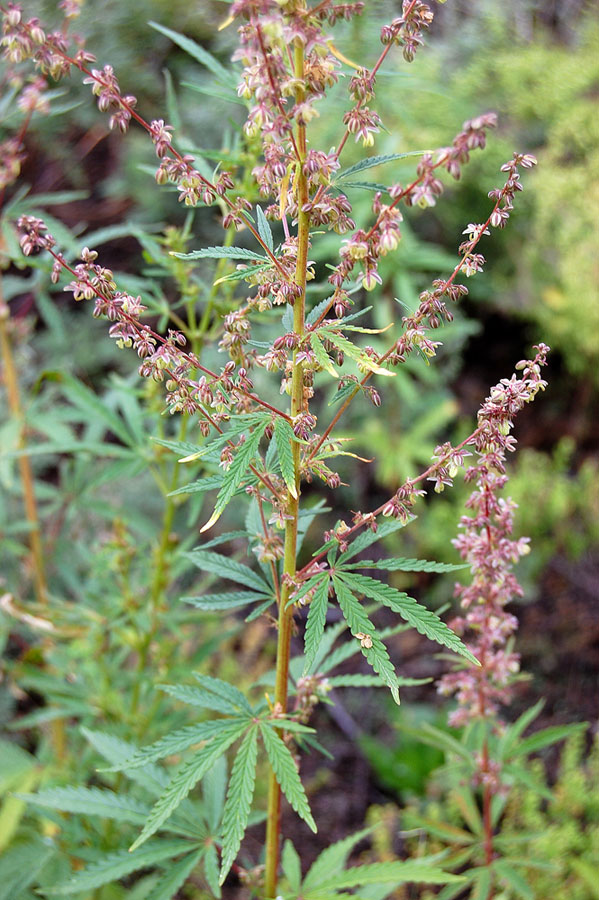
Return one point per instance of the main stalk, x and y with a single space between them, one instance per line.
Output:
285 623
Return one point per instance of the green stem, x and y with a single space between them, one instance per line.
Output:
273 821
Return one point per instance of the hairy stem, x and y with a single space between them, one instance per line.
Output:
273 824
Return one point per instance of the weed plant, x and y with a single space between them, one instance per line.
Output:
249 435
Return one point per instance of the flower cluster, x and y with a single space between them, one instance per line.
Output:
407 29
486 544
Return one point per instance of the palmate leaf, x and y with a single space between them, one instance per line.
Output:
239 800
388 873
406 565
117 865
359 623
372 161
235 474
91 802
225 690
187 777
117 751
317 614
222 253
264 229
322 357
284 438
355 353
418 616
224 601
367 538
332 860
285 771
175 877
194 696
196 52
172 743
217 564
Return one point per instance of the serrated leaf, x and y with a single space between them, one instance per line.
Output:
333 859
356 353
516 881
117 751
359 623
362 680
212 869
322 357
372 161
389 873
264 229
187 777
117 865
292 867
222 253
418 616
284 437
194 696
227 568
91 802
175 877
283 766
406 565
546 737
224 601
175 742
317 615
213 790
243 273
239 800
368 537
226 691
513 732
207 483
235 474
196 52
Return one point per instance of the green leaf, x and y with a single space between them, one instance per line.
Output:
406 565
264 229
359 623
333 859
222 253
117 751
212 869
196 52
355 353
175 877
91 802
226 691
227 568
442 740
243 273
285 771
322 357
292 867
224 601
317 614
187 777
372 161
175 742
235 474
239 800
368 537
418 616
213 790
284 437
513 732
207 483
194 696
117 865
361 680
92 405
389 872
546 737
518 884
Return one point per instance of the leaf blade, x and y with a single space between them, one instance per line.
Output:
286 773
239 800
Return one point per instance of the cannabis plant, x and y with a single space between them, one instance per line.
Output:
258 434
